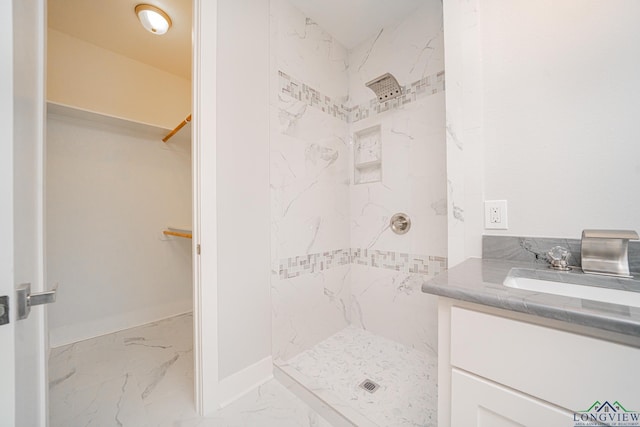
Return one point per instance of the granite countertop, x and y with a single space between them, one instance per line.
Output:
480 281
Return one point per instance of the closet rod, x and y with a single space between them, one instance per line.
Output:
177 234
180 126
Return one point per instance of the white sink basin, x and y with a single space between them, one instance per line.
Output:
594 293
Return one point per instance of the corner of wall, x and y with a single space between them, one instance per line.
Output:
465 150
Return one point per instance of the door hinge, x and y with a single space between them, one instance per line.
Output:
198 249
4 310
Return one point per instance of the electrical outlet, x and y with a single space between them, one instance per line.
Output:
495 214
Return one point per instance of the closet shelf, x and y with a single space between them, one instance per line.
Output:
178 232
155 132
177 128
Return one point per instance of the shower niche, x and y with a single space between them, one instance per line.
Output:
367 155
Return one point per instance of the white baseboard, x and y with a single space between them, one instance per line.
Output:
242 382
69 334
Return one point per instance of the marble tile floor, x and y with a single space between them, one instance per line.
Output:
334 369
144 377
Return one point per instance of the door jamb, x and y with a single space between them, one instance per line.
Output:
205 293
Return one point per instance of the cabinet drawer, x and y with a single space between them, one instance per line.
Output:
481 403
568 369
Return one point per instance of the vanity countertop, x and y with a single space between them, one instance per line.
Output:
480 281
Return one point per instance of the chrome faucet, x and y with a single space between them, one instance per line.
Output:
607 251
558 257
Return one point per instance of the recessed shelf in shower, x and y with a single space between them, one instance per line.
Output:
367 155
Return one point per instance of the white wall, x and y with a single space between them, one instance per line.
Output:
110 193
557 134
86 76
242 141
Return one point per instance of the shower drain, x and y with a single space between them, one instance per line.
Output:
369 386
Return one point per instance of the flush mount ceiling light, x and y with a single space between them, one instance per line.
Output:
153 19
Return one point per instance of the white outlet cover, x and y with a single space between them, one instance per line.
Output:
497 220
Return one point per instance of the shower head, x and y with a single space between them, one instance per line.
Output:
386 87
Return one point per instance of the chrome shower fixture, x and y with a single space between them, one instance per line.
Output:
386 87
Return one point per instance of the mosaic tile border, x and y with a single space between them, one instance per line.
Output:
429 85
398 261
312 263
336 107
302 92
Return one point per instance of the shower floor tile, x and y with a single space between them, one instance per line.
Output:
144 377
408 378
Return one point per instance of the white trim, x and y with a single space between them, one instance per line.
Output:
242 382
70 334
7 332
44 325
29 29
205 292
41 105
195 173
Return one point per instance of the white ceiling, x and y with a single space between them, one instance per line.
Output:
113 25
353 21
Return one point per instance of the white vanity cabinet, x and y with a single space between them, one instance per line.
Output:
501 368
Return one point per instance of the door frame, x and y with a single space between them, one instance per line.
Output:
205 249
7 356
206 381
22 120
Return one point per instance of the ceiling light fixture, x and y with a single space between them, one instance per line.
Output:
153 19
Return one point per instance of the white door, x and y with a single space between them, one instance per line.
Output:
22 27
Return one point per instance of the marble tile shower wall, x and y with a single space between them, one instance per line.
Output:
309 183
335 260
385 301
